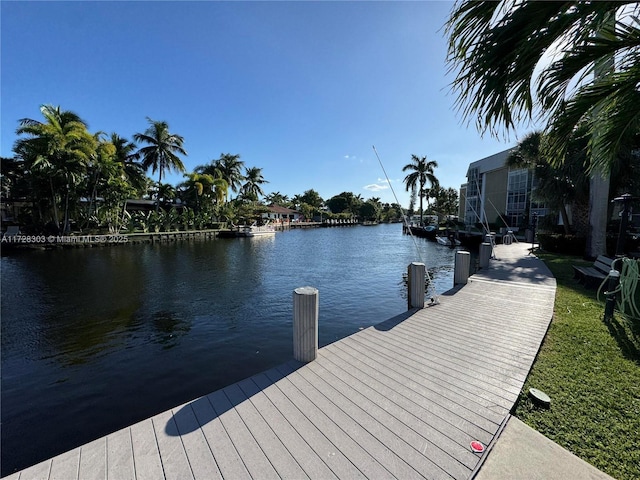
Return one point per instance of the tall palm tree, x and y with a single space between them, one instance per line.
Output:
421 172
161 152
252 188
58 149
496 50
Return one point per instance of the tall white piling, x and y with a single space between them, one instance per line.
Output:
484 255
305 324
461 268
416 289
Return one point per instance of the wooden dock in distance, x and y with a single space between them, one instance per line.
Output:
402 399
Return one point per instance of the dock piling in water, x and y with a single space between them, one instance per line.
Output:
416 285
305 324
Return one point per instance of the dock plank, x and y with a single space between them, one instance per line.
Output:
411 427
172 453
93 460
39 471
146 455
418 367
120 455
389 353
361 459
373 438
283 462
430 400
227 458
252 455
309 461
201 460
407 442
65 466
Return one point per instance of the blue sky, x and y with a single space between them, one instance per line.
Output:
301 89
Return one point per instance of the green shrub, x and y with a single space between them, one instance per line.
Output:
560 243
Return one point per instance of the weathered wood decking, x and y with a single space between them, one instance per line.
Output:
403 399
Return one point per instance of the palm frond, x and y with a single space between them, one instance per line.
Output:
495 48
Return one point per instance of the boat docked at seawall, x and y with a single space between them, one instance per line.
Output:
253 230
257 231
430 231
447 241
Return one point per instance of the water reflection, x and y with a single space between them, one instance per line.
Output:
169 328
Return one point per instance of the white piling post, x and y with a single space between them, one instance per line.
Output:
461 269
416 285
485 254
305 324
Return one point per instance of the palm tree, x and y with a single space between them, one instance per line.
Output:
446 201
166 193
58 149
162 149
497 48
277 198
128 157
229 167
252 189
556 185
421 173
200 185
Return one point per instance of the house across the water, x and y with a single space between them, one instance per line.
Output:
278 214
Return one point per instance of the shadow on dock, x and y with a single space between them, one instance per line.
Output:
387 325
204 410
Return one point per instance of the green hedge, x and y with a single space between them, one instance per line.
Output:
560 243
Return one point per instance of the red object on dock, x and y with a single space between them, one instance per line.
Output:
477 447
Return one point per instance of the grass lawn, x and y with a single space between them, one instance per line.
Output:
591 371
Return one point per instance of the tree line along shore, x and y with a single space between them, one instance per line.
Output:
64 179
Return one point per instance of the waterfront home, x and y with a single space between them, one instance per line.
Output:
278 214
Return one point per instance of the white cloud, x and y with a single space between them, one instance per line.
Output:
376 187
384 180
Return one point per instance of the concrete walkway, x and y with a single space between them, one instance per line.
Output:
520 452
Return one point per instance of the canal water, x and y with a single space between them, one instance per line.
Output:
96 339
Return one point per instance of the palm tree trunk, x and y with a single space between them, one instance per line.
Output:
56 217
421 210
66 228
159 183
599 181
92 200
598 209
565 218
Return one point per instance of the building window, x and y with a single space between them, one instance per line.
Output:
474 191
517 196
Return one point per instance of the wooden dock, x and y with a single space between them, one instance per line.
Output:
402 399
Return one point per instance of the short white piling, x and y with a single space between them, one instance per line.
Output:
416 289
484 255
305 324
461 268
